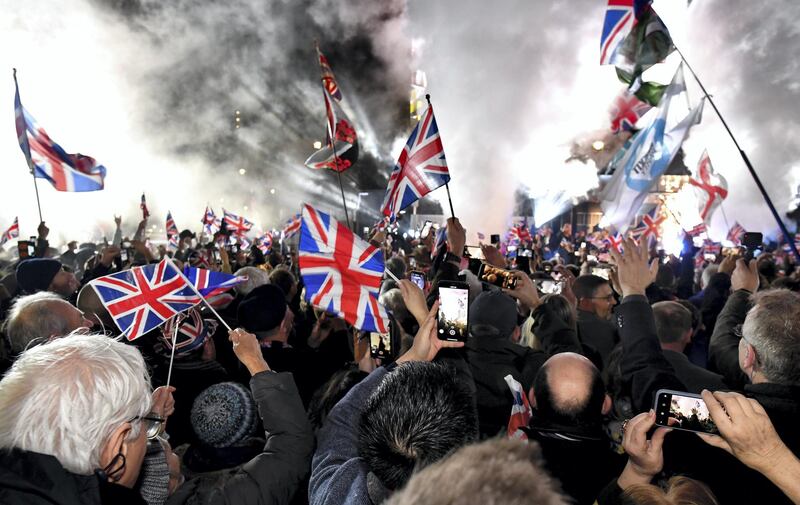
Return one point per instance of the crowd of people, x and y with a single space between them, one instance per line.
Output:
292 407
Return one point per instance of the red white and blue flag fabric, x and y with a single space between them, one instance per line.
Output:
521 412
711 188
47 160
237 225
210 283
697 230
143 206
735 233
420 169
211 223
11 233
292 227
616 26
626 111
649 225
340 151
342 273
440 243
172 231
143 298
264 243
614 241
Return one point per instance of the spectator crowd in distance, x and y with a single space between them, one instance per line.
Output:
291 407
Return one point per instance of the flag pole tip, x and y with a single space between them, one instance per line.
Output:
428 98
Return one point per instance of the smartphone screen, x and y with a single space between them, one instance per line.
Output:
216 255
683 411
123 255
497 276
453 311
549 287
474 251
426 229
417 278
380 345
495 239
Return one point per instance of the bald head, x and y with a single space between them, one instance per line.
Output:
569 391
35 319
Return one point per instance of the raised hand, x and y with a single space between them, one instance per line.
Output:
426 343
633 271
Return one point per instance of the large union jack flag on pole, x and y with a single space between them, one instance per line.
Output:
420 169
143 298
211 223
11 233
616 26
47 160
342 273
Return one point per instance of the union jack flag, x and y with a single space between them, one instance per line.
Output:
264 243
292 227
143 298
210 283
172 231
340 151
211 223
143 206
736 232
10 233
649 225
616 26
342 273
521 412
614 241
238 225
420 169
244 243
626 111
48 160
697 230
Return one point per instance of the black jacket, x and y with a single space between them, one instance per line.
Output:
692 376
492 358
273 476
598 333
646 370
723 350
30 478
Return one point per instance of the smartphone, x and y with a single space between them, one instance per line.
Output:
126 244
380 345
683 411
600 272
217 257
417 278
549 287
473 251
751 240
453 319
497 276
123 255
426 229
583 245
494 239
710 257
24 249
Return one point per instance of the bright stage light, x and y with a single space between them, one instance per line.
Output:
317 144
242 171
598 145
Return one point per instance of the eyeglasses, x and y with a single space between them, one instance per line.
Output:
607 298
152 425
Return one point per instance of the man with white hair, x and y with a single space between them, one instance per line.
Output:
74 423
36 318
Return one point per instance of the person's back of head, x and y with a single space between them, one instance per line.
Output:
586 286
561 308
284 279
67 397
678 491
417 415
397 266
568 392
493 314
673 323
33 319
224 415
494 472
707 273
255 277
329 394
772 329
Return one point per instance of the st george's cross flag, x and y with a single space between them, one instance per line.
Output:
342 273
48 160
143 298
710 188
420 169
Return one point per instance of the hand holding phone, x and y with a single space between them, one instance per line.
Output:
453 317
683 411
380 345
417 278
497 276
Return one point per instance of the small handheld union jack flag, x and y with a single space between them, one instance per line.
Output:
211 223
292 227
238 225
210 283
420 169
143 298
521 411
626 111
736 232
697 230
342 273
11 233
172 232
48 160
264 243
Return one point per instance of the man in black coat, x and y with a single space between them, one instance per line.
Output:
596 301
768 354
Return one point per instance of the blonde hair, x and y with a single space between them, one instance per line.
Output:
678 491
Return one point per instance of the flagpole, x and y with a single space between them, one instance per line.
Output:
174 340
746 160
30 162
446 184
336 163
194 288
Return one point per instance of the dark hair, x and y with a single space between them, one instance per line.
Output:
283 278
329 394
417 415
672 321
579 412
586 286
